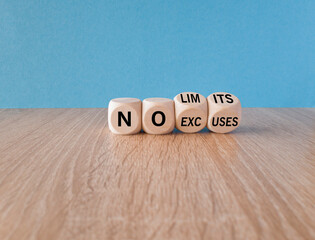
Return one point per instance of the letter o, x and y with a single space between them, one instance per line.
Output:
153 118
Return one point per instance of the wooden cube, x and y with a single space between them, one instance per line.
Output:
124 115
224 112
158 115
191 112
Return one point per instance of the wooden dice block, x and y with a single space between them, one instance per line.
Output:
124 115
158 115
224 111
190 112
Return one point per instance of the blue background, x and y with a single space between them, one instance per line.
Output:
83 53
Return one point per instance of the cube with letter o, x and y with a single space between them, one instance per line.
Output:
158 115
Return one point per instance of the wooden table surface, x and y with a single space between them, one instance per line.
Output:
63 175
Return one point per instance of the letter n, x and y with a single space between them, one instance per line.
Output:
122 116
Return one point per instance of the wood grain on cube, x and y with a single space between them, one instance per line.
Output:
124 115
158 115
64 176
224 112
190 112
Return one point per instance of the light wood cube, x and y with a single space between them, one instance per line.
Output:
191 112
158 115
124 115
224 112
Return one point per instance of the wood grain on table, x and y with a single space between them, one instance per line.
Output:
63 175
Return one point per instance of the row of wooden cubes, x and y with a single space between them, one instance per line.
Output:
189 112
